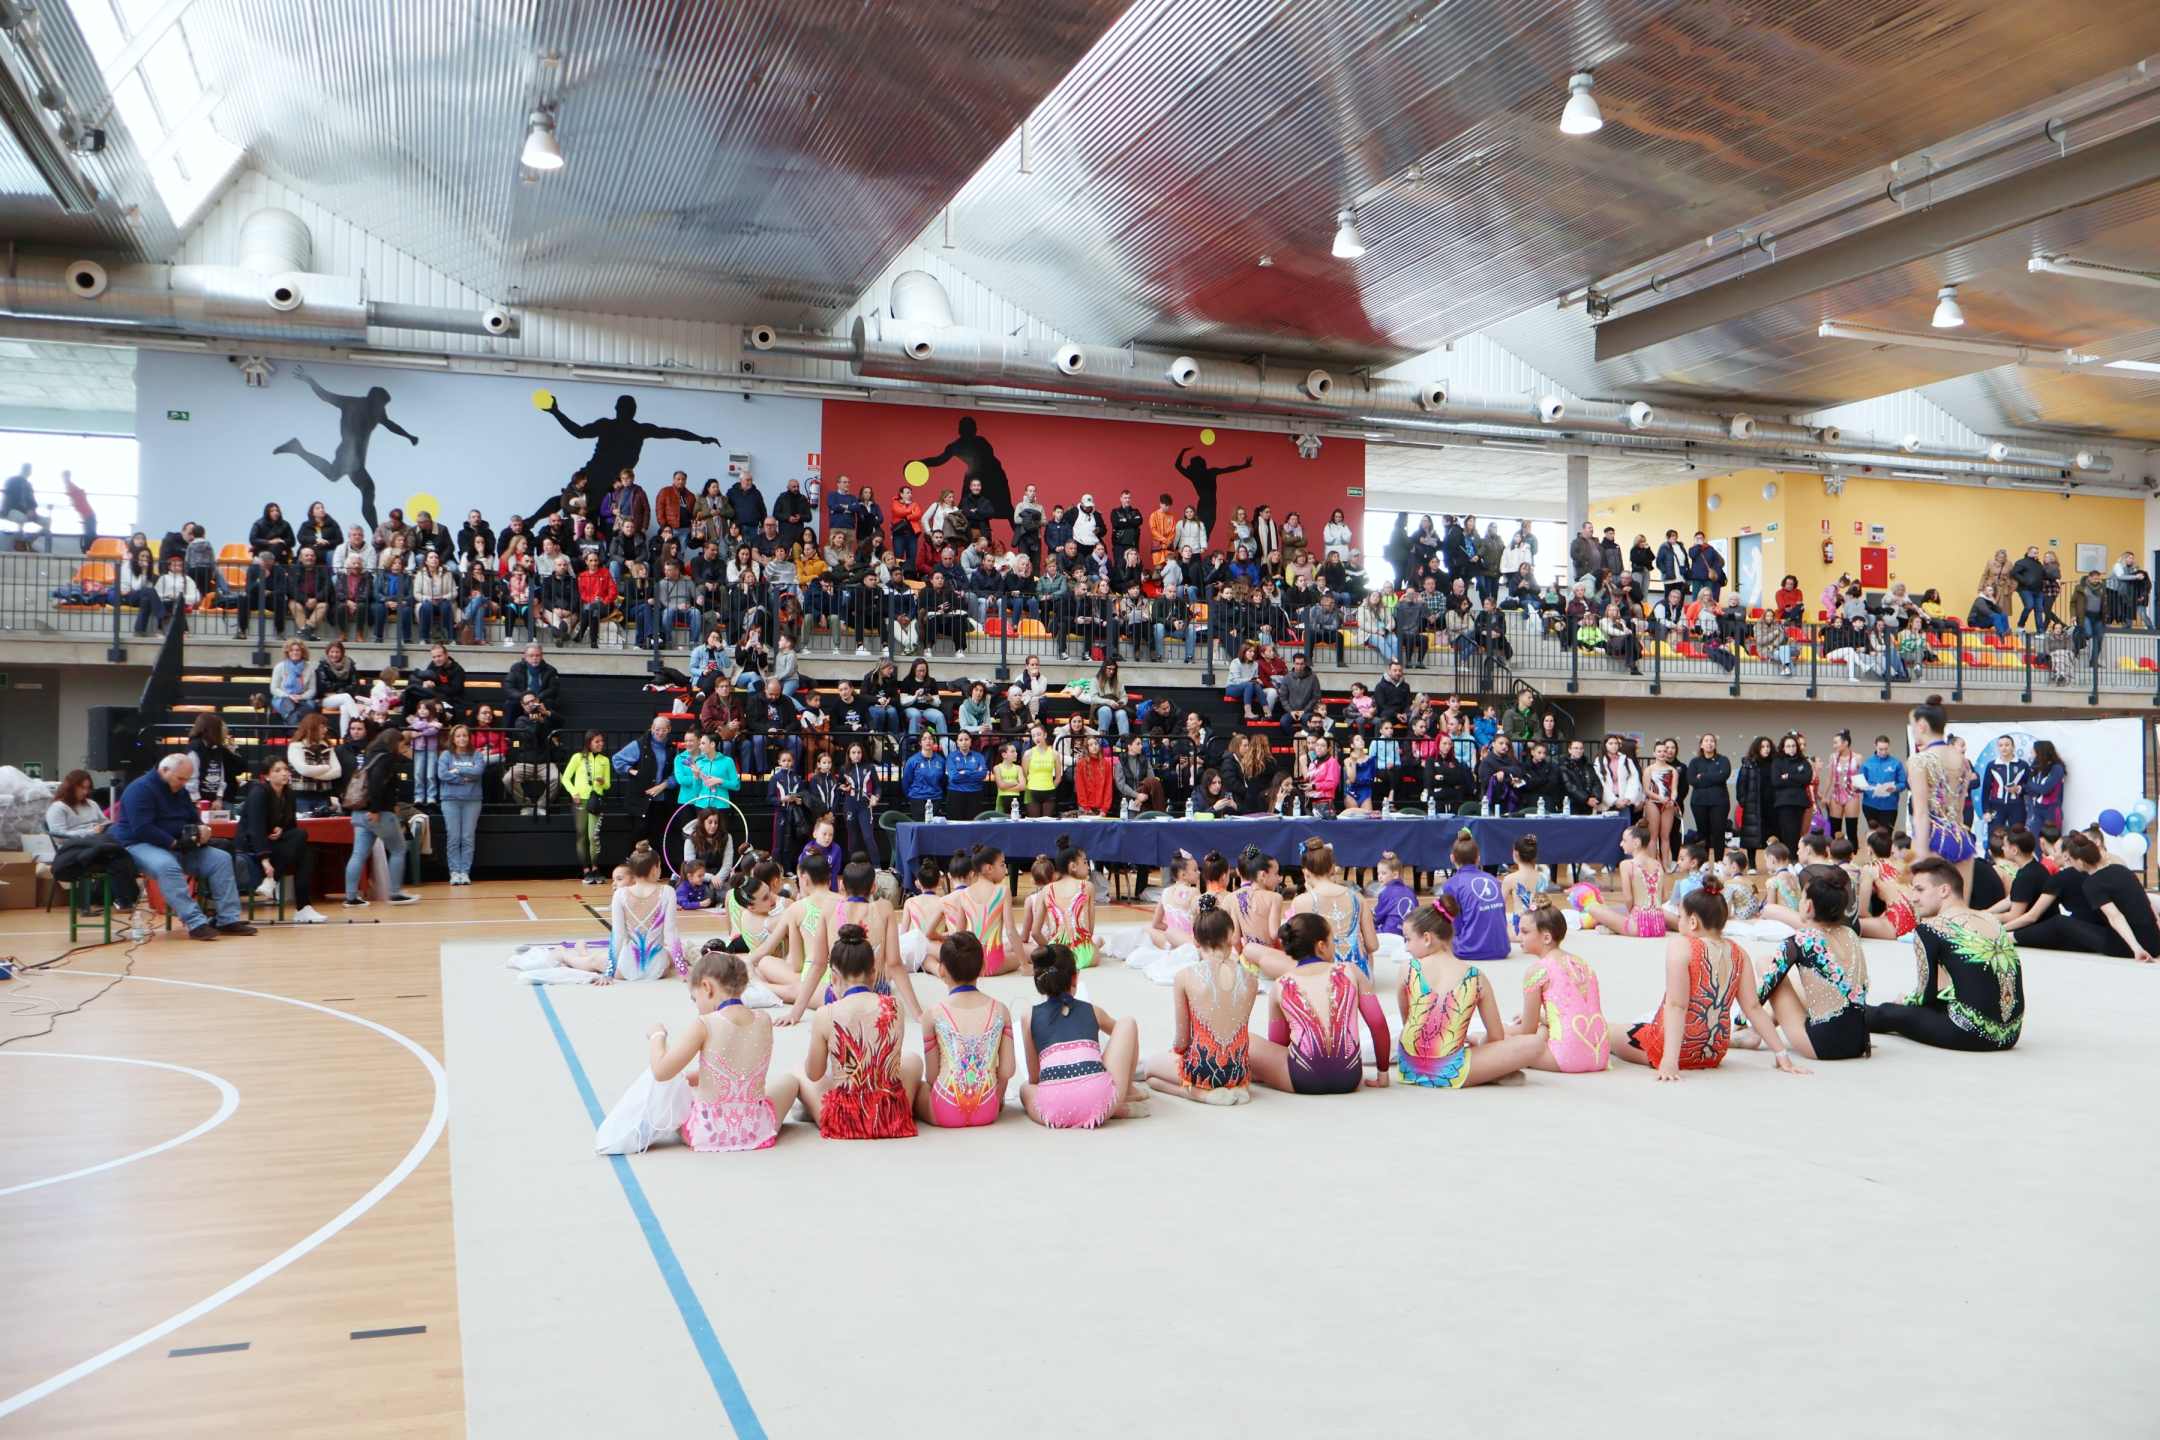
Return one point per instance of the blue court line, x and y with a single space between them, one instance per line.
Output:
726 1383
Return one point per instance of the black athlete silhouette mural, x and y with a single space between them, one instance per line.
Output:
978 462
1203 477
358 415
618 441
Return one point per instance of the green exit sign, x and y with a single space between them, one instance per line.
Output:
1355 492
177 415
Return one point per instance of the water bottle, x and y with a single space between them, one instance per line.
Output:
1016 807
1188 807
1387 804
1125 809
1567 805
1541 807
929 810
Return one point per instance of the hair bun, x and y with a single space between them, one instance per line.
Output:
854 935
1207 902
1712 885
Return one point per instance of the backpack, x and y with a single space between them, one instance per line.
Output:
355 797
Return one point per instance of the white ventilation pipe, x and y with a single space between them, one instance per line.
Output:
276 242
914 342
272 293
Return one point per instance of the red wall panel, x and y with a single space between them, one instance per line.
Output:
1065 456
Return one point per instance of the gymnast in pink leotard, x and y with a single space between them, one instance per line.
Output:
967 1045
1561 1000
728 1050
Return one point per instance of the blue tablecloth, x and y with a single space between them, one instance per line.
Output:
1423 841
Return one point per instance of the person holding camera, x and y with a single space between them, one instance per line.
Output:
532 757
165 837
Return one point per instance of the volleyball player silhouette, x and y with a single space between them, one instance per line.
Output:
358 415
618 441
1203 477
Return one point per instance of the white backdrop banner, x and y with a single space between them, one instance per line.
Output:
2102 756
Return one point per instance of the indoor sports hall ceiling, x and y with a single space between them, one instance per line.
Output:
723 153
1198 139
1178 176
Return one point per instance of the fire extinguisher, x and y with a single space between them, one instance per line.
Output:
1829 552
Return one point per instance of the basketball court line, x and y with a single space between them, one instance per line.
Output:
228 1101
438 1117
726 1383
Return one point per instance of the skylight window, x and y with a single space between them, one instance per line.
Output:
159 97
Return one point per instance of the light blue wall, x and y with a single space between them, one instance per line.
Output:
482 443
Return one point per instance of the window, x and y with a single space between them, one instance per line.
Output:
104 466
159 97
1551 536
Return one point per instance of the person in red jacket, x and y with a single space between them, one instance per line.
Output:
1094 778
906 526
596 598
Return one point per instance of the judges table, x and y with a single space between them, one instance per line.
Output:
1423 841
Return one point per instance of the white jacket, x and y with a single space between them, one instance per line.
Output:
1620 781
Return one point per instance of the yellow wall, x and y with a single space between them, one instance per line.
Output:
1942 534
1650 512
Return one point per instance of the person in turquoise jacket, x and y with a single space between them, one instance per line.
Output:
714 779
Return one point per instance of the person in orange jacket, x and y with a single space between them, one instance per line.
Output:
906 526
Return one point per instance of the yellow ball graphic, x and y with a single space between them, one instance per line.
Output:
1207 437
414 504
915 473
543 399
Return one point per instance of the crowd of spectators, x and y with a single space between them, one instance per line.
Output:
744 584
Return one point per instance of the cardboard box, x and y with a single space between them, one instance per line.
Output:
18 881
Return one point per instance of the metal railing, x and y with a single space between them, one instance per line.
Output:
73 597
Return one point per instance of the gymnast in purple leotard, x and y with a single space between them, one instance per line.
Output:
1312 1044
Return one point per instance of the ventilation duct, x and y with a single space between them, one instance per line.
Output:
272 293
915 341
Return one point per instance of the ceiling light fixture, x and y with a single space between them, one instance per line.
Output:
541 152
2083 270
1348 243
1581 116
1949 315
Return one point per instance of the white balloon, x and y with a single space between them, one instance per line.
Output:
2130 845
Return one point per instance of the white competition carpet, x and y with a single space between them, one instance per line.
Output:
1921 1243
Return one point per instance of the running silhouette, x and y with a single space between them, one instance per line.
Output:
1203 477
981 463
358 415
618 441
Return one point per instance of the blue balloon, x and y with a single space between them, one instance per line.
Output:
2136 821
2111 822
2145 808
